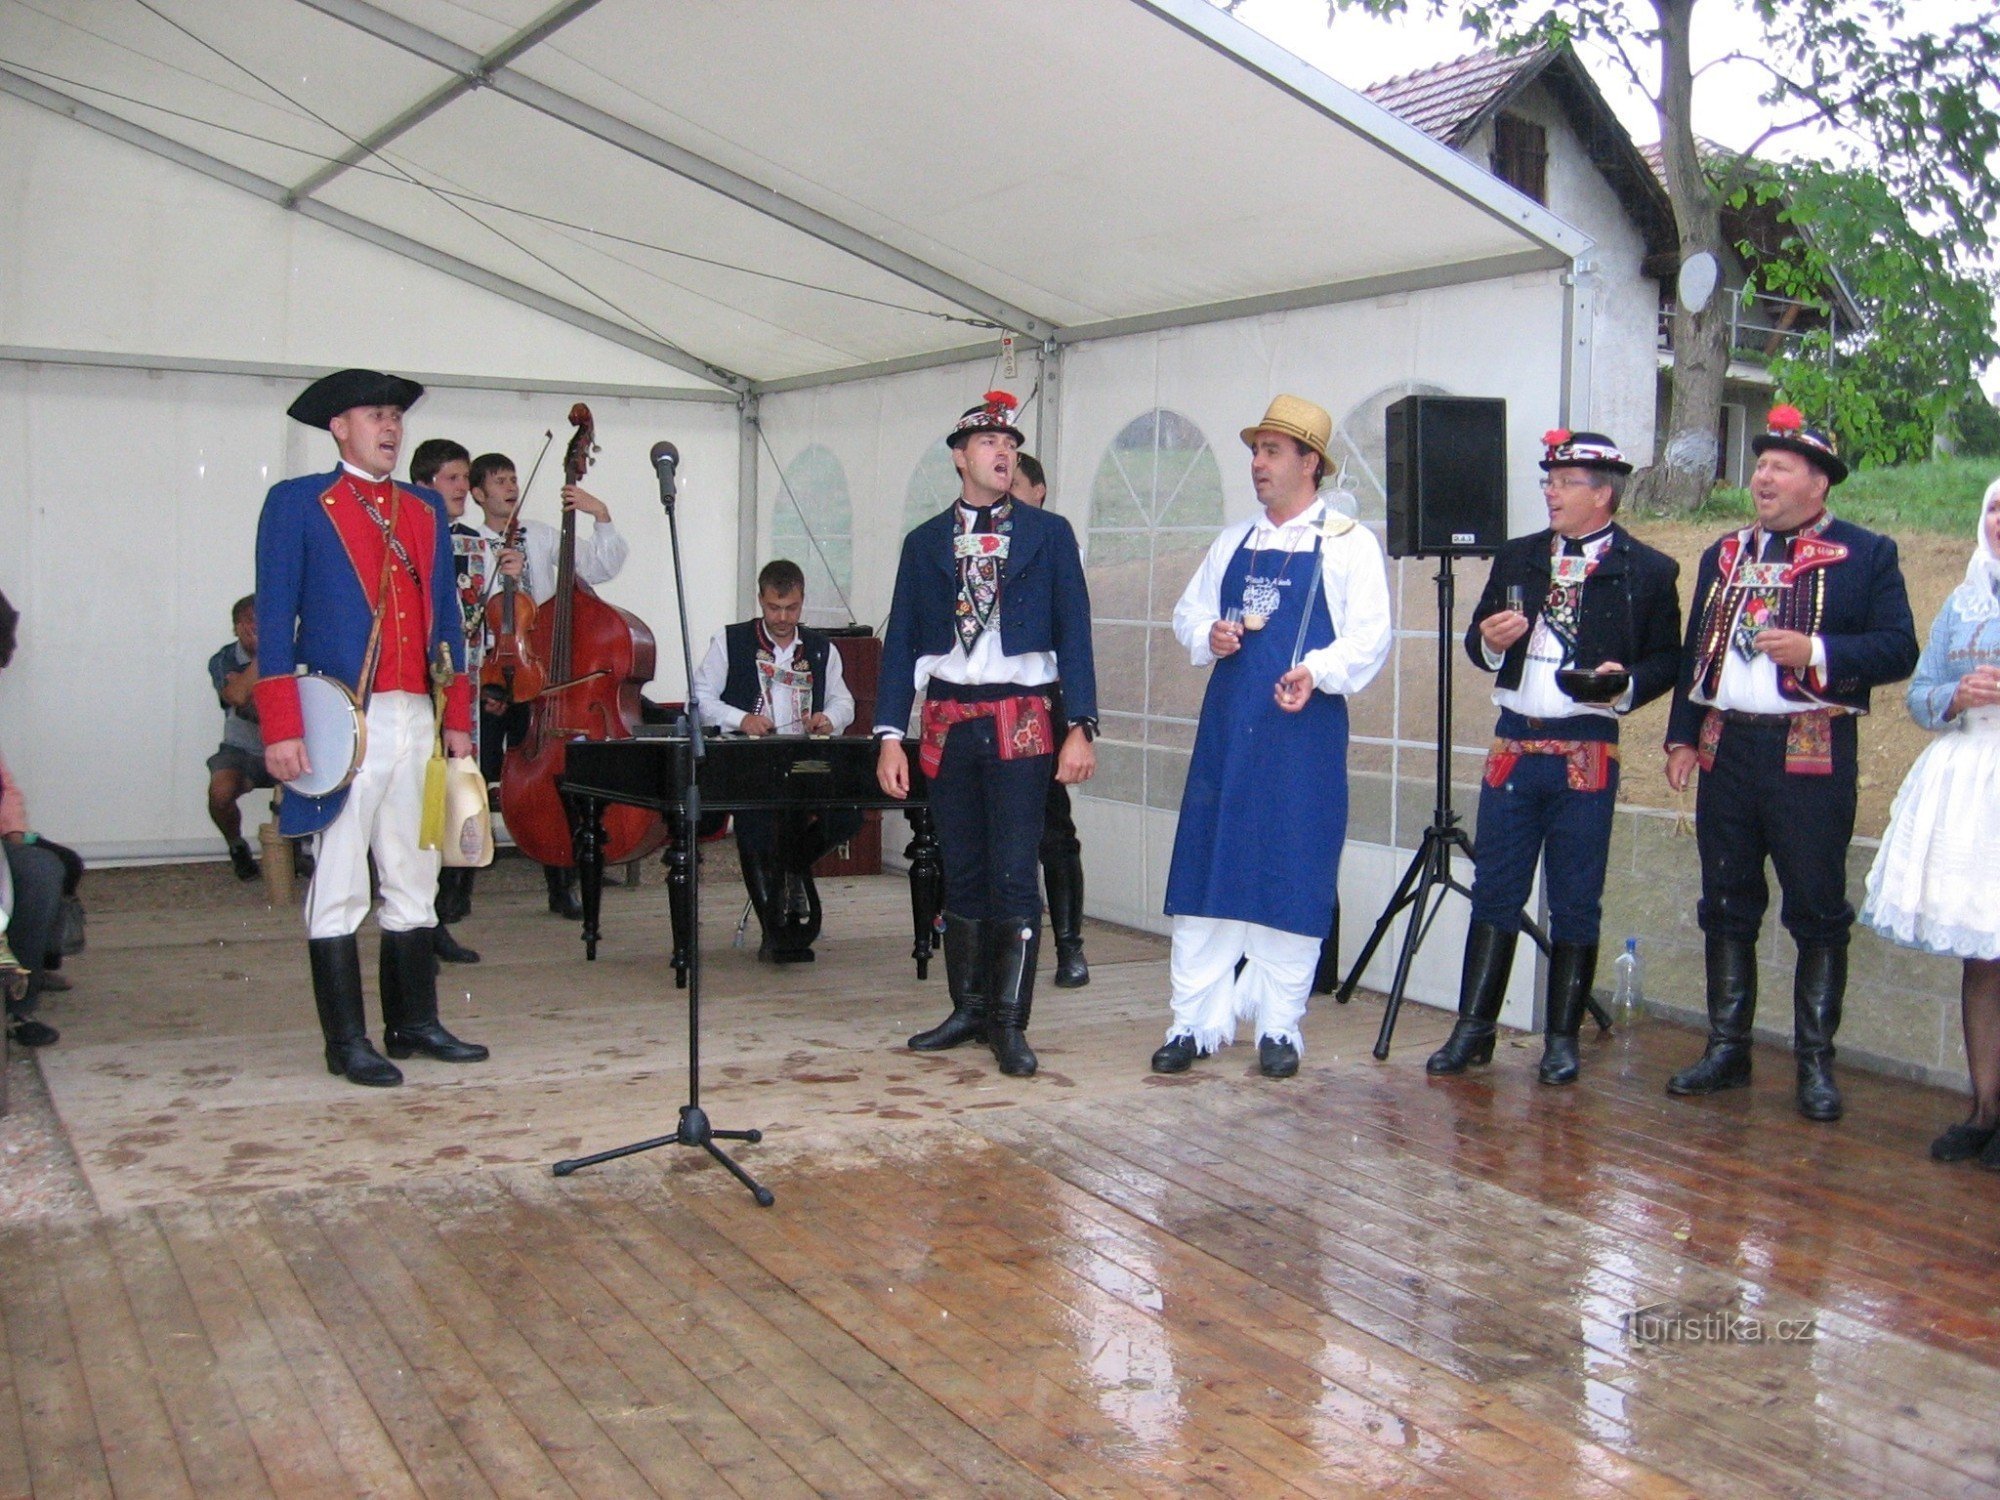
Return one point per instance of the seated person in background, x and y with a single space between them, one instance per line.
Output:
34 903
772 675
237 767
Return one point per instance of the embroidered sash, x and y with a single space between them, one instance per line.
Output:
1590 761
1022 725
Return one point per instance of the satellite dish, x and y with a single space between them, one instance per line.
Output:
1697 282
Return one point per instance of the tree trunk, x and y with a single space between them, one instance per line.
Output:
1685 472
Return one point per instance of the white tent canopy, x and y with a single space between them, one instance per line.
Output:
788 233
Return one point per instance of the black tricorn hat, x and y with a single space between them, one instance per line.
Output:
330 395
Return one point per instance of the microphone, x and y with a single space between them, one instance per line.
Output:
666 458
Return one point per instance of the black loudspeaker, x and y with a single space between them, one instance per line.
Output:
1447 476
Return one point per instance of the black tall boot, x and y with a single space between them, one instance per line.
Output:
1489 958
765 883
1015 946
563 899
965 979
1732 1008
449 949
1817 990
336 977
410 1002
454 897
1572 967
1062 874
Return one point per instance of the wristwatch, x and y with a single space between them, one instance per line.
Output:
1088 726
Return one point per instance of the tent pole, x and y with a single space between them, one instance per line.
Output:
747 419
1048 411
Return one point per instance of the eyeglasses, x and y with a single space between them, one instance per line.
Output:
1569 482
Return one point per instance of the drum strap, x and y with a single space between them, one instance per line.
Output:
365 688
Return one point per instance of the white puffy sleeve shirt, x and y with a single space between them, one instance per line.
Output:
1353 576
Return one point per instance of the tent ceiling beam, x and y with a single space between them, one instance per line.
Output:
964 354
553 21
116 359
626 136
1519 263
375 234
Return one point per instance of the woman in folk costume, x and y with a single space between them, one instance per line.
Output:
355 580
990 610
1932 884
1292 609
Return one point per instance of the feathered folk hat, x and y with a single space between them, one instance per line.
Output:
1786 428
1564 449
330 395
994 413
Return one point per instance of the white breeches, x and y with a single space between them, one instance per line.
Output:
384 813
1210 997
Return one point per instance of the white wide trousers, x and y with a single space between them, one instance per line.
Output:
384 813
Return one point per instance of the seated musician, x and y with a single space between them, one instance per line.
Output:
772 675
237 767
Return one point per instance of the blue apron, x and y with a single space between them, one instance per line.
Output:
1265 810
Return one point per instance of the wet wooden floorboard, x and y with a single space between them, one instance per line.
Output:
1358 1282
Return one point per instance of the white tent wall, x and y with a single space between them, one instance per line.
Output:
109 248
1495 338
130 507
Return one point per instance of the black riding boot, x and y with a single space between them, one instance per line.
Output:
764 880
1015 947
336 978
1732 1008
1489 958
1572 967
965 979
448 948
1062 874
410 1003
563 899
1817 990
454 897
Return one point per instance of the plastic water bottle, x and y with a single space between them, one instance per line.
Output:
1629 998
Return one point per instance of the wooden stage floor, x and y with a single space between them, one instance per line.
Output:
1094 1282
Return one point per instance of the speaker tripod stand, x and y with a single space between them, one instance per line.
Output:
1429 877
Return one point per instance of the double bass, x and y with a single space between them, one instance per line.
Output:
597 657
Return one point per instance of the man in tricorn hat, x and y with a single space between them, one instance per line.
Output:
355 580
1796 618
1291 610
990 609
1580 594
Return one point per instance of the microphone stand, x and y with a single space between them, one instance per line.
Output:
694 1129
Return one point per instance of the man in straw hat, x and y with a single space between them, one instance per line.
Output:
990 609
1580 594
1291 609
1796 618
355 580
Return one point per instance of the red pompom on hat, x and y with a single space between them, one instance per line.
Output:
1555 437
1785 419
995 413
1785 427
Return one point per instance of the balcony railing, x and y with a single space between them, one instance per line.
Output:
1763 330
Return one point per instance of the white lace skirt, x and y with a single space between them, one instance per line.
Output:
1935 884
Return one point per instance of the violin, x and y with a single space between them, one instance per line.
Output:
511 667
596 657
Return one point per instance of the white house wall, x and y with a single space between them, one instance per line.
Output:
130 504
1620 397
1502 338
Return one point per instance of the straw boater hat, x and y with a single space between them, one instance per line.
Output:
330 395
1295 417
995 413
1788 430
1581 450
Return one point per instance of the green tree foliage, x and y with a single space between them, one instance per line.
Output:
1891 388
1915 111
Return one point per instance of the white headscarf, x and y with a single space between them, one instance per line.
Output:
1978 598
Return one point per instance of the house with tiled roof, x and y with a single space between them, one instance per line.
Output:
1537 121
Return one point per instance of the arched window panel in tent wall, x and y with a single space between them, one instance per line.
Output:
1155 506
814 527
934 484
1393 726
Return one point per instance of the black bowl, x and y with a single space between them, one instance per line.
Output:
1593 687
